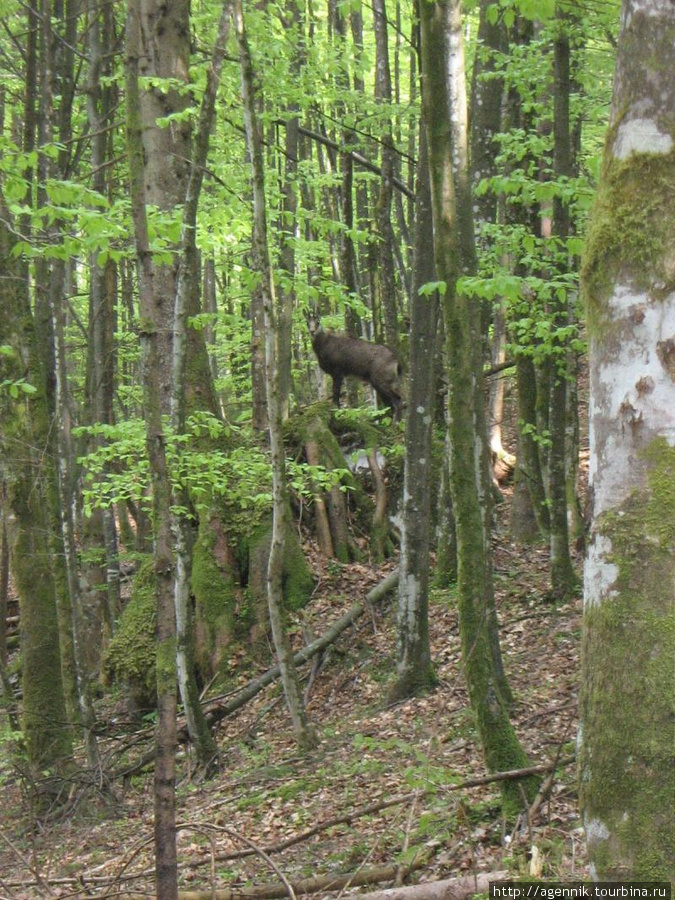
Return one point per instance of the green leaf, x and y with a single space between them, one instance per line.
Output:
431 287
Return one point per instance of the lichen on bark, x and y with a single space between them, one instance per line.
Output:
627 767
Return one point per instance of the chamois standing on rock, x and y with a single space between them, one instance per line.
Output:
340 355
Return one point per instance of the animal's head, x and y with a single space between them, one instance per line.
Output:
313 321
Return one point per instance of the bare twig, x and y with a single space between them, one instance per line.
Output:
26 863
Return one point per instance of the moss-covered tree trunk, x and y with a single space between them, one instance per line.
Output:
26 471
192 367
627 730
468 444
529 472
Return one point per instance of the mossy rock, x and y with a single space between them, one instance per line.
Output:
130 660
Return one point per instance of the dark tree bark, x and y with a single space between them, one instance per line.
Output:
487 93
186 302
26 471
528 470
156 378
4 573
469 466
563 578
293 20
385 237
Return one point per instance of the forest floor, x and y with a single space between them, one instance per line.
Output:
386 787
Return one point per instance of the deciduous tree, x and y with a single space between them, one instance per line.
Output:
626 739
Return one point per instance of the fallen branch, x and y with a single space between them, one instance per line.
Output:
218 713
378 805
449 889
271 890
254 687
345 819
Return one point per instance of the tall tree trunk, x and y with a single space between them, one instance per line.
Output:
414 671
469 467
275 595
259 411
627 729
288 226
156 378
385 237
26 472
563 578
467 260
487 93
66 480
186 288
528 470
4 572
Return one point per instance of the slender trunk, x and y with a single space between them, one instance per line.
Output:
275 595
563 578
101 528
469 467
487 91
156 379
529 458
198 729
66 480
288 224
385 235
467 260
413 666
446 533
4 573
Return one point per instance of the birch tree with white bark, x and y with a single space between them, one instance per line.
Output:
626 737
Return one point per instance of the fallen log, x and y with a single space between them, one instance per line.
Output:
273 890
449 889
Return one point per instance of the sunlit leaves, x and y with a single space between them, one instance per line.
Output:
212 460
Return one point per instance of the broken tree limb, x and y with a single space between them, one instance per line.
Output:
374 875
254 687
449 889
222 711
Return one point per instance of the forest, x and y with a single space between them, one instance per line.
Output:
337 378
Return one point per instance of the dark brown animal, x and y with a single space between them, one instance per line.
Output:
340 355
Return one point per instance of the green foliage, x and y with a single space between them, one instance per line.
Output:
16 388
213 461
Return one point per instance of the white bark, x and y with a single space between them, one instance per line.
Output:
626 736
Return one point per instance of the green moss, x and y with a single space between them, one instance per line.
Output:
165 666
631 224
628 764
298 582
131 656
214 592
660 511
